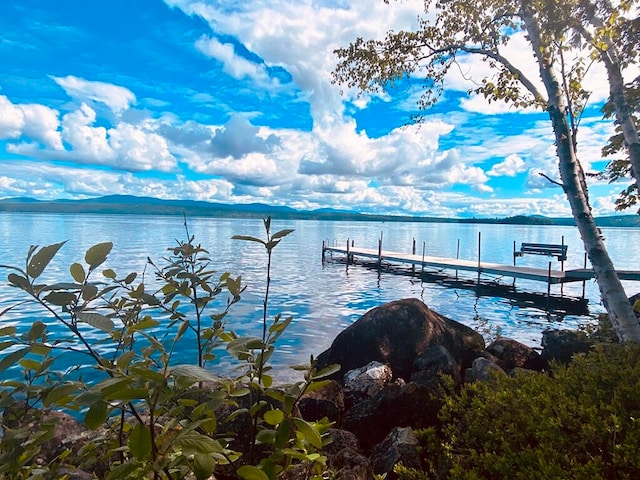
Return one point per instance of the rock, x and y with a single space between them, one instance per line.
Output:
483 370
512 354
433 362
396 405
327 401
363 383
395 334
344 457
400 445
562 345
635 300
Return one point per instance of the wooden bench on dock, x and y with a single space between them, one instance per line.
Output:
548 249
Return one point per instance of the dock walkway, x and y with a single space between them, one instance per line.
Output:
549 275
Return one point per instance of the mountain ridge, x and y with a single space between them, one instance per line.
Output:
131 204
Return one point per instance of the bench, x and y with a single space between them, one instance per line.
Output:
550 250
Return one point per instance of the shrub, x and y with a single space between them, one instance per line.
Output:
582 423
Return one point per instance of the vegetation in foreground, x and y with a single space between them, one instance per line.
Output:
155 419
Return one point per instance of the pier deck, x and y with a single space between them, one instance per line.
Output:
548 275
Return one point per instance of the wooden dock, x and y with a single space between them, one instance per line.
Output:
548 275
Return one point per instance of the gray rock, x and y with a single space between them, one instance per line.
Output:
400 446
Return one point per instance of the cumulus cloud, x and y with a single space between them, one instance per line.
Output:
115 97
510 167
232 64
239 138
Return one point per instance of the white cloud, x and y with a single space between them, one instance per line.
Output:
234 65
510 167
11 119
115 97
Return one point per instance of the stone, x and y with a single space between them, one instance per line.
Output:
398 404
399 446
344 456
432 363
562 345
510 354
483 370
363 383
327 401
395 334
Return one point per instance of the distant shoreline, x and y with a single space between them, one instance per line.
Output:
131 205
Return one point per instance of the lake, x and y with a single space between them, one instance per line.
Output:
323 298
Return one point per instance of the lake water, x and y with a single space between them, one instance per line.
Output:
323 298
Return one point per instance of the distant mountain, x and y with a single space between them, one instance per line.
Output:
133 205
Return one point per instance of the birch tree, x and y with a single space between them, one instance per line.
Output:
450 29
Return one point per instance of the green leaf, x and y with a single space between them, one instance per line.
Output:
12 358
18 281
97 254
60 298
124 360
249 472
203 466
36 331
267 380
77 272
6 344
327 371
29 364
283 434
144 324
96 415
309 432
140 441
281 233
248 239
96 320
193 442
194 373
60 392
109 273
42 258
8 331
273 417
89 292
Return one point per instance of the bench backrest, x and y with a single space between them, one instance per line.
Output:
551 250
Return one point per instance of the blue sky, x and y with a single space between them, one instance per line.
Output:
233 102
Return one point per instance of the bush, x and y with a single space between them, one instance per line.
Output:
582 423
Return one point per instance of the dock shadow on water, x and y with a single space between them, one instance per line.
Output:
491 287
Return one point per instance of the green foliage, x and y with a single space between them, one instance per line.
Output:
582 423
152 417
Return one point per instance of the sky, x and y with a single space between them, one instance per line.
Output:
233 102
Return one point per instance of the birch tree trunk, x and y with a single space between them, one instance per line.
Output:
618 307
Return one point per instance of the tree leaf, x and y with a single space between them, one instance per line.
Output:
96 320
327 371
60 392
273 417
77 272
41 259
18 281
96 415
140 442
193 442
309 432
248 239
60 298
12 358
97 254
193 372
282 233
249 472
203 466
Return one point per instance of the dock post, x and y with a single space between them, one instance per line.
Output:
380 252
413 252
549 283
457 256
348 254
479 248
562 268
323 250
584 281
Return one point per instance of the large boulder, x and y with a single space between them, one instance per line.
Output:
396 333
562 345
